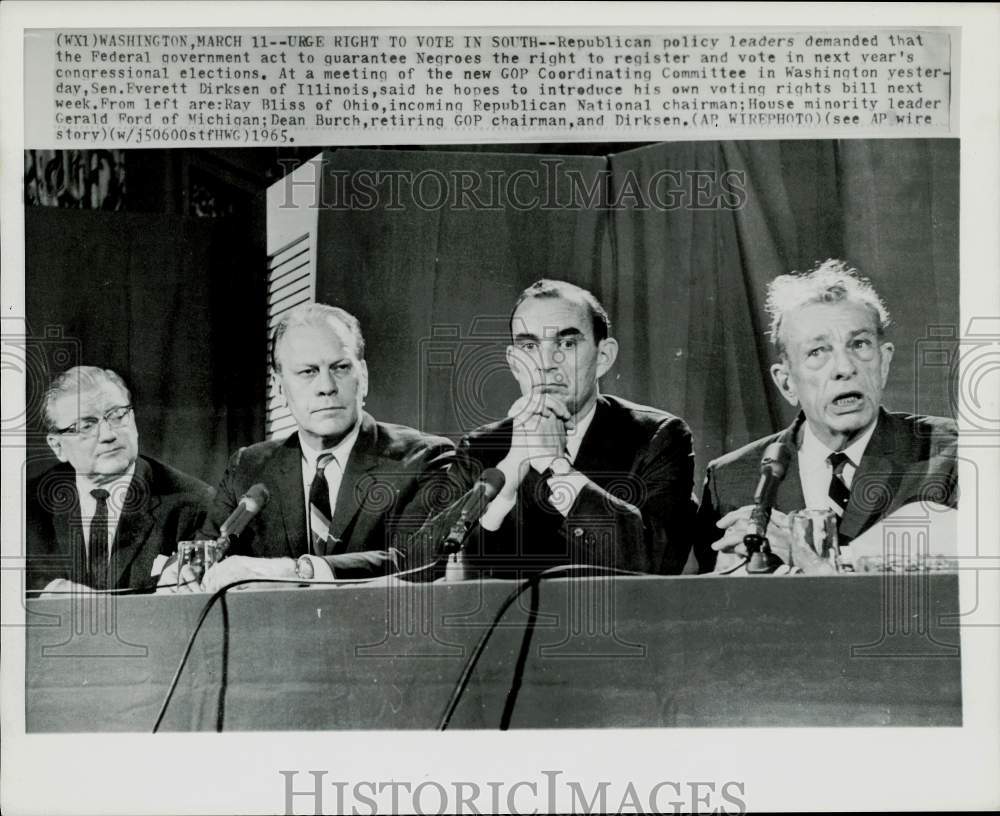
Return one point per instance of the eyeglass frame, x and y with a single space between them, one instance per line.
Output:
113 422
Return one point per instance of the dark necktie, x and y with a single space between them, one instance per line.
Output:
840 494
320 514
97 548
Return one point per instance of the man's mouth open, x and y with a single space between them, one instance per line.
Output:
848 401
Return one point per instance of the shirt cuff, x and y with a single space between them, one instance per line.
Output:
496 512
322 571
565 489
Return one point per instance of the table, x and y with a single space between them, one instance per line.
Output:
861 650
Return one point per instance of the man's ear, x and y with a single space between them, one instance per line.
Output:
607 353
55 443
363 378
276 385
783 379
887 351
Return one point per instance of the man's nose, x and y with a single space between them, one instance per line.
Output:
844 365
105 433
325 382
550 356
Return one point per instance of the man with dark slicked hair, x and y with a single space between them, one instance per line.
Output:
589 478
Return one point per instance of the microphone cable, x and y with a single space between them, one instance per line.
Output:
532 583
219 595
731 570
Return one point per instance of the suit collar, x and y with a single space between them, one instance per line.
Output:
341 451
365 457
135 522
789 494
283 478
872 488
875 481
599 441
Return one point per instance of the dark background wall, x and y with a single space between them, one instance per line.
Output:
170 303
168 288
685 287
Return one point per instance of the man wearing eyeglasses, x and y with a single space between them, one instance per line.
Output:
101 516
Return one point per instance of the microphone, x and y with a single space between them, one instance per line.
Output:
773 465
250 504
471 506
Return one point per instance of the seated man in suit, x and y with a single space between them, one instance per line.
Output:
346 492
590 478
852 456
101 517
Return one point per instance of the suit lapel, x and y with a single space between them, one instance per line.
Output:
283 477
875 482
789 496
355 484
68 530
598 450
135 522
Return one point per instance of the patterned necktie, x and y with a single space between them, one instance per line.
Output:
840 494
97 548
320 514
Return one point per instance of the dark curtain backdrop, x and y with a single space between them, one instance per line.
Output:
685 287
168 302
433 286
177 305
691 284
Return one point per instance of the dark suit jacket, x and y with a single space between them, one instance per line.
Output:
908 458
162 506
633 513
384 497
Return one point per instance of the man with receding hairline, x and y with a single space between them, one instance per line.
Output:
100 518
344 489
828 328
589 478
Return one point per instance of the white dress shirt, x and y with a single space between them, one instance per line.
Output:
334 472
117 490
564 488
815 470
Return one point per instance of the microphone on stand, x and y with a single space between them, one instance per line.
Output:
466 512
773 466
470 508
250 504
202 554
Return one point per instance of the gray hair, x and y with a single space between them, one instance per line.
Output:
317 314
831 281
77 380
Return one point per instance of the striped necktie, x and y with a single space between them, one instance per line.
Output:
840 493
320 514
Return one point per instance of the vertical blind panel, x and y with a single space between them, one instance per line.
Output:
291 281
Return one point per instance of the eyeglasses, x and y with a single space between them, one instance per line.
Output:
87 426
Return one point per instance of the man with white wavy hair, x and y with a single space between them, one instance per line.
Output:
828 329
